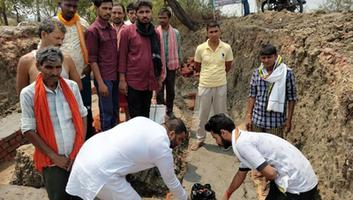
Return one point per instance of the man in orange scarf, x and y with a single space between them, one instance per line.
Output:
74 44
54 121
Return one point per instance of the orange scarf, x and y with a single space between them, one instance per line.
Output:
44 124
76 21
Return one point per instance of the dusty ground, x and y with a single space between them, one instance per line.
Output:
319 49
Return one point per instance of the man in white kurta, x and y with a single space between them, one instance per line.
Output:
138 144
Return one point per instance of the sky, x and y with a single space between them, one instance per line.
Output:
237 8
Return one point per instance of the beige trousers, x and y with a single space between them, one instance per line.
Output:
216 98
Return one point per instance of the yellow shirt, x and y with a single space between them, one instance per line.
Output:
213 69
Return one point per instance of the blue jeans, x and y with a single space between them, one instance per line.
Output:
86 94
108 105
246 7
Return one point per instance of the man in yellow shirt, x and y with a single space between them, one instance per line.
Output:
213 59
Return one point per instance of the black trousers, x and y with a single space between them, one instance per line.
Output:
86 95
169 84
139 102
55 180
275 194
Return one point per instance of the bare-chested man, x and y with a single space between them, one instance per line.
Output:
51 33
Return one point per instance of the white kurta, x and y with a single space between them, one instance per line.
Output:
253 149
129 147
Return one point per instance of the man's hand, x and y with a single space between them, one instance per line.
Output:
248 122
160 84
62 162
103 90
287 126
86 71
123 87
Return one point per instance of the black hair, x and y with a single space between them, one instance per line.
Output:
130 6
141 3
218 122
121 5
177 125
165 10
268 50
212 24
51 54
98 3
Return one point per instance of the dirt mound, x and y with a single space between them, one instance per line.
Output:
14 42
319 48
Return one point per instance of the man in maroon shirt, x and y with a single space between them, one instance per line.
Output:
140 65
101 41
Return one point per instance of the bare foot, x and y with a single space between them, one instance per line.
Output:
196 146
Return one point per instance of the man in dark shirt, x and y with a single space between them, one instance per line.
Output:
140 66
101 41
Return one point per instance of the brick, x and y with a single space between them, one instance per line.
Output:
5 145
3 154
13 147
13 142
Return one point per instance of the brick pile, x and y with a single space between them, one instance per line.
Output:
9 144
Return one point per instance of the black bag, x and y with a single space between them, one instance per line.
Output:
202 192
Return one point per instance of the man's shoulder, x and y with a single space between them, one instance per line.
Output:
202 46
27 58
84 22
28 91
72 84
226 45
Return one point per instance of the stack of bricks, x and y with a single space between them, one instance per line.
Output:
9 144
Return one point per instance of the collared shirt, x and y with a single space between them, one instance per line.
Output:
213 69
101 41
60 114
71 44
259 89
257 150
135 60
166 46
129 147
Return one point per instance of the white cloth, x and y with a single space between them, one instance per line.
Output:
71 45
129 147
60 114
127 22
293 169
278 93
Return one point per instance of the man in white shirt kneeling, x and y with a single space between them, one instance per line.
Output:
105 159
290 174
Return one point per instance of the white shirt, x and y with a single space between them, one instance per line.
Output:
71 44
60 114
129 147
253 149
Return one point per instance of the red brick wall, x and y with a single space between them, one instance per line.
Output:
9 145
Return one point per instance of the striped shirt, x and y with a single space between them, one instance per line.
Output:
259 89
60 114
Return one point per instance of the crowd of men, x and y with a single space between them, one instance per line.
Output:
128 61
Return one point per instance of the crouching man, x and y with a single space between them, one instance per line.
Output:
290 174
138 144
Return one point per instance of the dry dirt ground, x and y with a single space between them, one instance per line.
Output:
319 49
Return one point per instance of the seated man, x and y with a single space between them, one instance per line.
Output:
138 144
291 175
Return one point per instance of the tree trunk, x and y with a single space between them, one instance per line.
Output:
181 15
17 14
3 13
38 11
